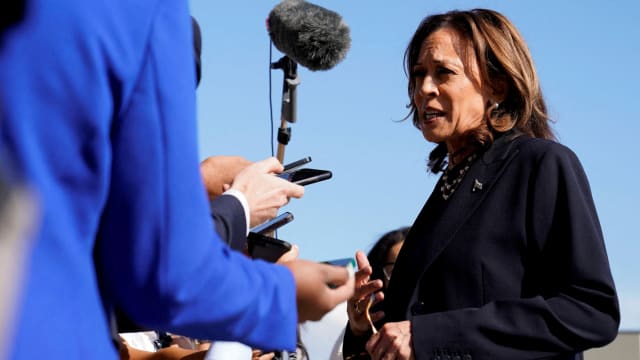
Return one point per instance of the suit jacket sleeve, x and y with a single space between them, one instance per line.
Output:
228 216
575 307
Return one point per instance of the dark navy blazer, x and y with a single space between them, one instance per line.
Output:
512 266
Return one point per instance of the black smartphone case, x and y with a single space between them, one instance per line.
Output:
265 247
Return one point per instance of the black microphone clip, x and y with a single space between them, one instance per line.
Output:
289 85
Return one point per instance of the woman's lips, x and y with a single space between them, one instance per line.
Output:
429 117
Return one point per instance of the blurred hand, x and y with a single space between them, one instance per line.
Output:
393 341
289 255
363 289
314 296
265 192
259 355
216 171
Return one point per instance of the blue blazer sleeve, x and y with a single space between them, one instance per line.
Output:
98 110
162 262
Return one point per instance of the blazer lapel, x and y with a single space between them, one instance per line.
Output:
432 232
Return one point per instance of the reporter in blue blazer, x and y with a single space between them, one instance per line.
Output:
97 110
506 260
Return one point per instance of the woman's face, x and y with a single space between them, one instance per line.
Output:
448 99
390 262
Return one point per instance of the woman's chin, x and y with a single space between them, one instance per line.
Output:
433 137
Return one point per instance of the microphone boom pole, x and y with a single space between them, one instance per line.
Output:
289 106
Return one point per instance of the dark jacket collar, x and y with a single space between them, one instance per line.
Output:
437 224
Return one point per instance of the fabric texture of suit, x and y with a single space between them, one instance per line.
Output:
98 110
229 219
512 266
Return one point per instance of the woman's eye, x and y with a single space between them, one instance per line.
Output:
416 74
444 71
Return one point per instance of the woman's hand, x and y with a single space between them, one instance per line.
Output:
358 302
393 341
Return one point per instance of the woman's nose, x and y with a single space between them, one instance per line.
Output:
428 87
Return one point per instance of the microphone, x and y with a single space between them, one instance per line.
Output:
310 35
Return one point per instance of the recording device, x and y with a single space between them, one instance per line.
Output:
344 262
349 263
265 247
296 164
306 176
262 246
271 225
312 36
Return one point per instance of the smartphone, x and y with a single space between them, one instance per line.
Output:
265 247
306 176
349 263
271 225
297 164
344 262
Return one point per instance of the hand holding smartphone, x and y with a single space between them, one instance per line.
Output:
265 247
262 246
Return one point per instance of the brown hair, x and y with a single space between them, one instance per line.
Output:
501 53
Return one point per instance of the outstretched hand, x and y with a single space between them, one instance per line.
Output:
319 287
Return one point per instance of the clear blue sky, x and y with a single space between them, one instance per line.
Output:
587 55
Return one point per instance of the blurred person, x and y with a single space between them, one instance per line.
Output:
106 133
506 260
17 211
379 263
217 173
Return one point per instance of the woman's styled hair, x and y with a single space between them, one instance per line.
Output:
377 256
490 39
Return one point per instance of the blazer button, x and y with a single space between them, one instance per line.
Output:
417 308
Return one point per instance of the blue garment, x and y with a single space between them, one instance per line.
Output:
98 108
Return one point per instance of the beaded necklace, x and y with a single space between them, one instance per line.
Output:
447 189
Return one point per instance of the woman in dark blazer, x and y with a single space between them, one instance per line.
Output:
506 260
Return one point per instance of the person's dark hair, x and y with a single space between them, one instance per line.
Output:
11 12
197 49
378 253
502 55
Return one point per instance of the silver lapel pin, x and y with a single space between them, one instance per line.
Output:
477 185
